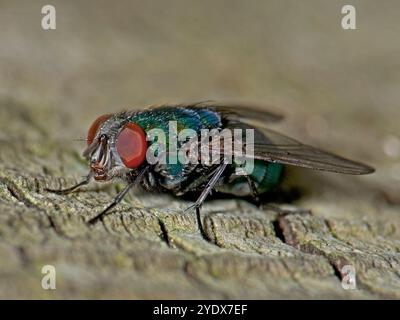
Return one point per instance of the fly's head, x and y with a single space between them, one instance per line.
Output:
115 146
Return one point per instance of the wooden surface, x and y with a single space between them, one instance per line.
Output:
338 90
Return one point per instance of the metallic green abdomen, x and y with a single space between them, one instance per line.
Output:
266 175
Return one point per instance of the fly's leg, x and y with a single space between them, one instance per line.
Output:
207 190
277 209
73 188
119 197
116 200
254 192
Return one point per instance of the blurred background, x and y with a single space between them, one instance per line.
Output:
339 89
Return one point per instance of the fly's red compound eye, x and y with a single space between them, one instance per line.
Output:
131 145
95 126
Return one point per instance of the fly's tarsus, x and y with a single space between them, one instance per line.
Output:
70 189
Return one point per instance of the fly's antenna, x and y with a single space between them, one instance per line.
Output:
80 140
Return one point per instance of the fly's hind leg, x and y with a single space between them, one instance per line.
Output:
254 192
73 188
277 209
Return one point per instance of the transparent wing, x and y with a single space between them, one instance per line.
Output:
274 147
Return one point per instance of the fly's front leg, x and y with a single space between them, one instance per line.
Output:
73 188
120 196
